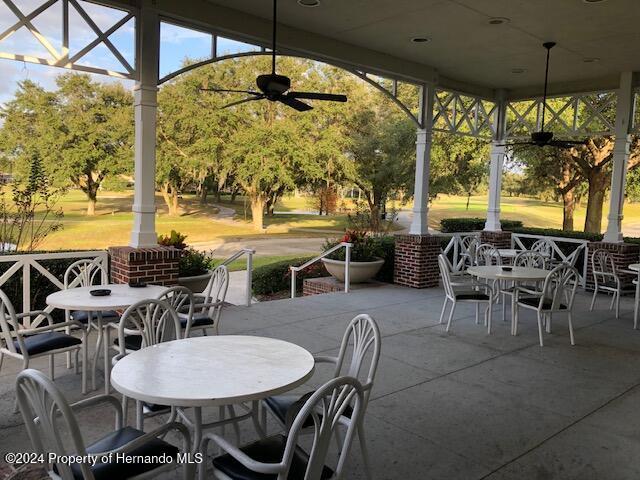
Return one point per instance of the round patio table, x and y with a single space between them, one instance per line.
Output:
212 371
516 274
122 296
635 267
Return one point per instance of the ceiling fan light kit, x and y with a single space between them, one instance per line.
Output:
274 87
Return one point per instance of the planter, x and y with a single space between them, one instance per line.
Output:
358 271
197 283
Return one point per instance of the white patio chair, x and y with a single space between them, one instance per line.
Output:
487 254
208 304
361 338
556 296
144 324
605 278
280 457
469 244
46 412
472 292
526 258
181 299
88 272
545 248
26 344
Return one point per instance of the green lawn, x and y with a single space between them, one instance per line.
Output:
113 221
112 224
258 261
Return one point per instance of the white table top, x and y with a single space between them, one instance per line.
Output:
517 273
635 267
212 370
122 296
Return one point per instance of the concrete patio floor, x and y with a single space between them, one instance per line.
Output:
462 405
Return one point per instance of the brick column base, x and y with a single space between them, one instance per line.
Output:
497 239
157 265
623 255
416 261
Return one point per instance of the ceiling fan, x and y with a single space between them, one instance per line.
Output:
275 88
543 138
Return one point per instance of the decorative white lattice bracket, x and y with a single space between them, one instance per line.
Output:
74 17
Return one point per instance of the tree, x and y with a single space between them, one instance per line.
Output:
382 151
82 132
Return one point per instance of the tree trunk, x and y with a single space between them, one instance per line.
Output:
170 197
204 192
257 211
569 207
91 206
468 199
595 201
234 194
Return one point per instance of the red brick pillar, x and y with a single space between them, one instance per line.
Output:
416 261
623 254
157 265
497 239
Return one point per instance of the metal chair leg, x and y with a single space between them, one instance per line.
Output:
365 453
593 298
540 328
444 308
453 309
569 320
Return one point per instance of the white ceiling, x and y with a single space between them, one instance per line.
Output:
465 48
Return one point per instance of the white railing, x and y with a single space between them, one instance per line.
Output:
27 262
456 249
347 262
582 246
249 252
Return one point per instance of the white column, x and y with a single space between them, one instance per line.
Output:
624 113
497 155
145 110
420 224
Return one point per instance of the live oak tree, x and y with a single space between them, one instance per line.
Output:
83 131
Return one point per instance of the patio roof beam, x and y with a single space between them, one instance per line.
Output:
623 129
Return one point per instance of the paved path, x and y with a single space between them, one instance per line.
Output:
275 245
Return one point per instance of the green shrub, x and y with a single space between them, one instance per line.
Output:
365 248
554 232
194 262
450 225
388 252
276 277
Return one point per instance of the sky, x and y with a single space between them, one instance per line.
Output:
177 44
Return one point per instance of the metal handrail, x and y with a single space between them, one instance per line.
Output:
347 262
249 252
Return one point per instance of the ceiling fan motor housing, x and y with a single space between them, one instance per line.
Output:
541 137
272 84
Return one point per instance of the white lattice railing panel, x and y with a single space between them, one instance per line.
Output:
578 115
73 34
27 263
463 115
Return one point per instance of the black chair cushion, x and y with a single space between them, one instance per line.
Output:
472 296
280 405
268 450
198 320
154 408
80 316
535 301
131 342
45 342
112 471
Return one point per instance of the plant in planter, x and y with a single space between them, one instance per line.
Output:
195 267
366 257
